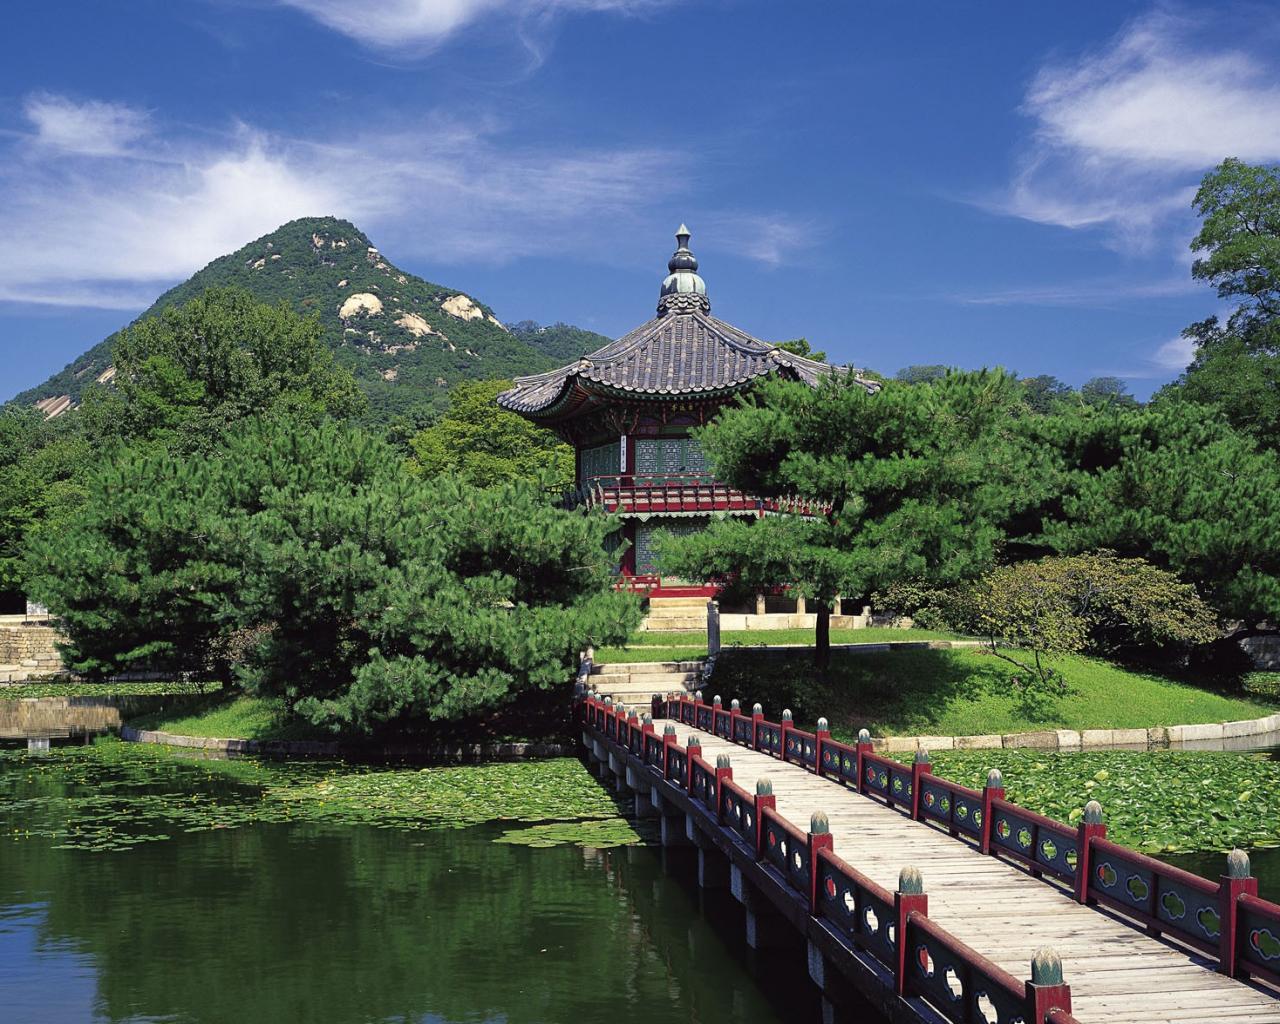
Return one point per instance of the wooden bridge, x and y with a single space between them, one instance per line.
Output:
1007 890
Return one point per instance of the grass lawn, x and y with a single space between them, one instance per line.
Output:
686 646
959 692
242 718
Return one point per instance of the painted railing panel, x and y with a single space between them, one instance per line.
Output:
704 784
742 730
738 811
769 738
961 984
859 909
653 753
677 766
801 748
1040 842
887 778
1258 934
702 718
723 723
954 806
1165 897
787 849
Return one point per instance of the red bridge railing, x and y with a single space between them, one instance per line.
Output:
893 928
1224 918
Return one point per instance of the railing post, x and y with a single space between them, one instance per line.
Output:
723 771
735 712
1046 990
908 899
920 767
692 749
821 734
1091 827
633 723
1237 882
668 741
861 748
657 706
993 791
757 716
717 705
820 838
764 799
786 725
697 703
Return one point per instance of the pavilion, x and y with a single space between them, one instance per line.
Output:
628 407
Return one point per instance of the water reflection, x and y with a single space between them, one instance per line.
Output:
277 923
70 717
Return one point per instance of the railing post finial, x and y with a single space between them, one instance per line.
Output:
1238 865
910 881
764 786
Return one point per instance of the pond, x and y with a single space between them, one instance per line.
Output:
139 886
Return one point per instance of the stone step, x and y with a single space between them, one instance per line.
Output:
29 663
659 603
653 681
641 667
641 695
675 624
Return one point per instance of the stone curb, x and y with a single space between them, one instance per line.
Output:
1155 738
461 753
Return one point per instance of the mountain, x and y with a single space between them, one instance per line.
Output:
562 342
405 339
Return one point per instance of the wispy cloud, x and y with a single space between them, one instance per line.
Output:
1097 294
1122 134
422 25
111 224
88 128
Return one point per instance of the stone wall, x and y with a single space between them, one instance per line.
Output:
28 651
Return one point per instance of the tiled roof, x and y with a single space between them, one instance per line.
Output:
679 354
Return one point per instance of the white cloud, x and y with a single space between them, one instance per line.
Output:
1123 135
1097 293
423 24
111 228
1175 355
89 128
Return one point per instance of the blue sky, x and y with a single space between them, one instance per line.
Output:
966 183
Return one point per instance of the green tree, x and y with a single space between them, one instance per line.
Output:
139 574
186 375
1106 391
484 444
1237 363
1044 391
801 347
1093 602
1181 489
921 373
923 481
310 561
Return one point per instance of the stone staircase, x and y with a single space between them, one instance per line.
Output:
637 682
676 614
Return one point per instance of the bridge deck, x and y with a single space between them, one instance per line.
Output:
1116 971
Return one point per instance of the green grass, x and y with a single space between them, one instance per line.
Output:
88 689
242 718
756 637
683 646
961 692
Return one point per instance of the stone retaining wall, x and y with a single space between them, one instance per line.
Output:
1154 738
461 753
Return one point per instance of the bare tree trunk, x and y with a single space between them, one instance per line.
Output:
822 629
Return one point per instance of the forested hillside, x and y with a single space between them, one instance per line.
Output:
406 340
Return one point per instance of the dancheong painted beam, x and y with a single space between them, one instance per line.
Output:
932 900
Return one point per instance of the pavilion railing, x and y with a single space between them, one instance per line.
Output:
641 493
1224 918
892 928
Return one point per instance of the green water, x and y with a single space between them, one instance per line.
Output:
221 915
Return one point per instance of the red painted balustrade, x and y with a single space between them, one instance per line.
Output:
1223 918
892 928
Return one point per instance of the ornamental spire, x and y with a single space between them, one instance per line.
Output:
683 291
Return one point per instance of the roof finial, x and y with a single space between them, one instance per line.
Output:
683 291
